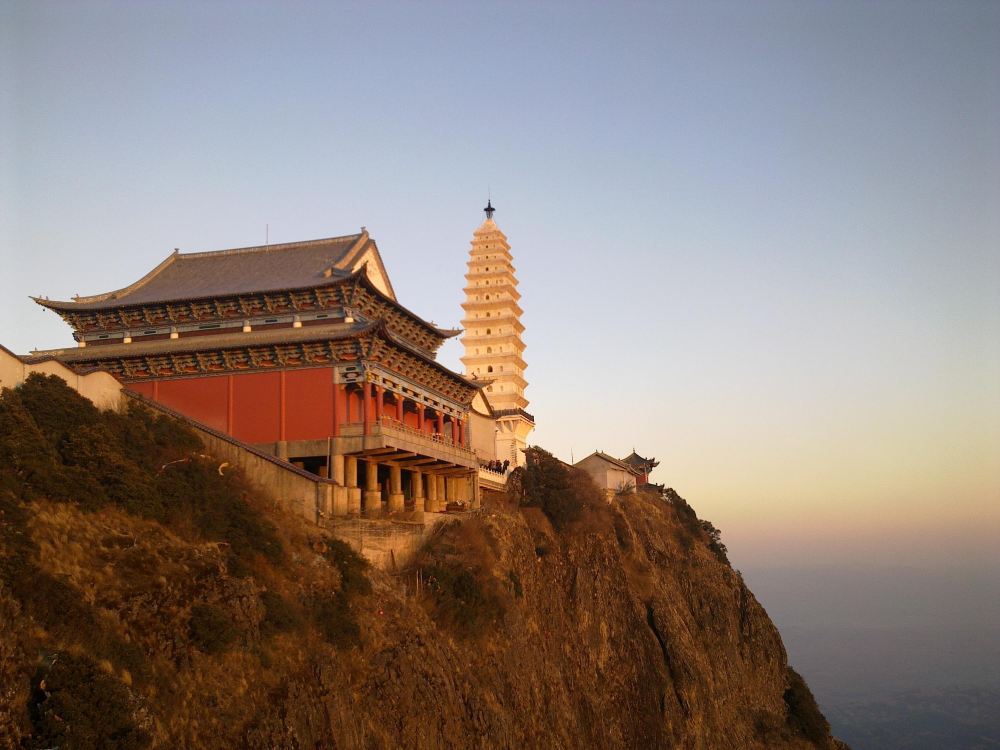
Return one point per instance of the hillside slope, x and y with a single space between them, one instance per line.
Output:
198 615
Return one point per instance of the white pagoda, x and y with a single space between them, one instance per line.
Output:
494 351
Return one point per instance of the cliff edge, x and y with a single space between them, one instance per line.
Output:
150 599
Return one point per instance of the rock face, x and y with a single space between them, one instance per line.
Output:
147 599
622 631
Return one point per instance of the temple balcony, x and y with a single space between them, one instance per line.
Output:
394 441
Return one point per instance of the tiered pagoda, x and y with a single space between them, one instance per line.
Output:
299 349
494 351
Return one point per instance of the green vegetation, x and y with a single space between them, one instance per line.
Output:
562 492
462 600
53 603
59 446
210 628
76 705
337 621
458 589
333 613
803 713
696 528
279 614
352 566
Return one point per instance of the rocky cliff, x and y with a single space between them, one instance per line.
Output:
203 616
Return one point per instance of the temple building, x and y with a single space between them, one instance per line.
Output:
642 467
610 474
494 351
302 350
614 475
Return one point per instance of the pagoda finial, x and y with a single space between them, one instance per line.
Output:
489 209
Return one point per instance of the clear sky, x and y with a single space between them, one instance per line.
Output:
759 241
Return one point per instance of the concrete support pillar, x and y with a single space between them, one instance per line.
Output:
351 471
338 470
442 490
474 484
395 488
417 481
372 494
430 502
351 480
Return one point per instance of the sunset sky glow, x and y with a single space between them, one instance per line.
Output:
760 242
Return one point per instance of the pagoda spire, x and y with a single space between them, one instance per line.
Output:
489 209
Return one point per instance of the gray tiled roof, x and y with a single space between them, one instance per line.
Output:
293 265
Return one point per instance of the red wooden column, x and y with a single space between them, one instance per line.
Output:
461 432
399 407
338 409
230 403
281 425
366 406
379 402
420 417
441 423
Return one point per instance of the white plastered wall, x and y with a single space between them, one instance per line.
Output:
100 387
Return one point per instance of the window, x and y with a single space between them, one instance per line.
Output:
490 369
487 331
489 349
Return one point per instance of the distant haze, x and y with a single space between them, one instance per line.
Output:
760 242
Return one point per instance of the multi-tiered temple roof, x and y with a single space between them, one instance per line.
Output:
289 285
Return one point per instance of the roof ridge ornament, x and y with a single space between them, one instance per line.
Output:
489 209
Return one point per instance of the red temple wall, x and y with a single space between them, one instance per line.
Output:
248 406
308 404
257 407
143 389
265 407
202 399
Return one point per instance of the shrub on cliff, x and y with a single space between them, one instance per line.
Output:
803 713
333 612
337 621
462 600
352 566
560 490
74 704
696 528
60 446
279 614
211 628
